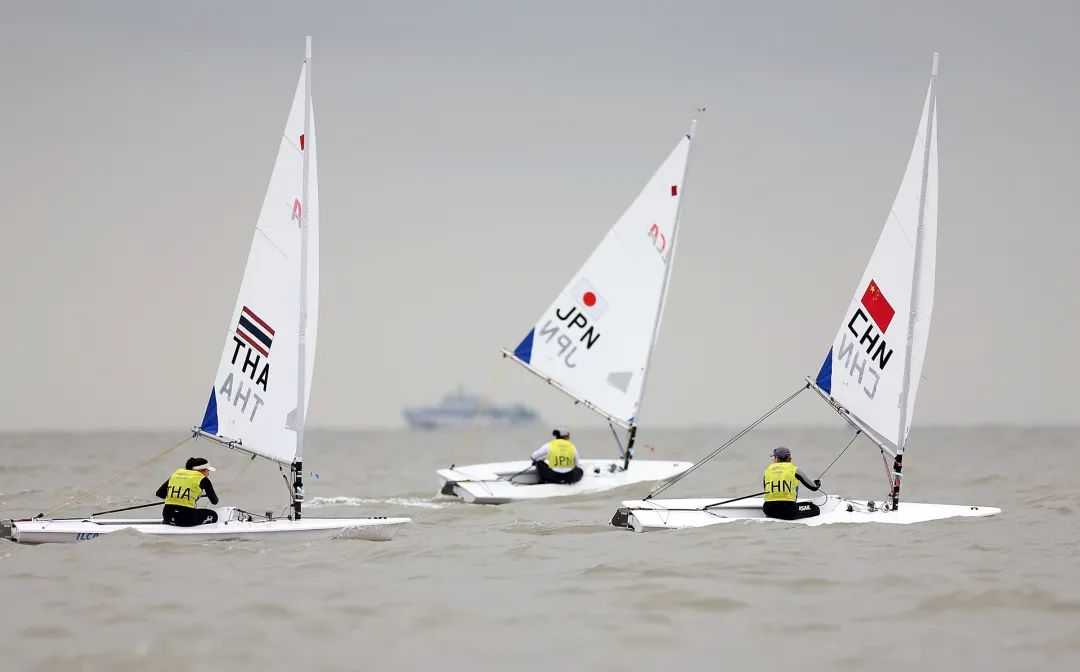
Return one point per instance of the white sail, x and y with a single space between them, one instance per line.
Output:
595 340
254 398
923 305
864 370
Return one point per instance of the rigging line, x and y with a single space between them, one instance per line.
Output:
618 443
288 485
98 488
236 479
664 486
485 401
888 472
857 433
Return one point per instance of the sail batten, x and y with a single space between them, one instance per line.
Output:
594 341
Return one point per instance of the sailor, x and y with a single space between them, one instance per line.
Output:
183 489
557 460
782 490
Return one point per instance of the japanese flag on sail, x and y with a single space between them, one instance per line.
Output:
589 300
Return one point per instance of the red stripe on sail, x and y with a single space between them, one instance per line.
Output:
674 190
252 343
264 325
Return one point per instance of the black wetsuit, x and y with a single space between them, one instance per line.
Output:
793 510
183 516
549 475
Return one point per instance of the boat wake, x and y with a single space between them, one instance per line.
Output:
416 502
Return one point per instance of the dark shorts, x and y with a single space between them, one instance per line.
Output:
182 516
549 475
790 510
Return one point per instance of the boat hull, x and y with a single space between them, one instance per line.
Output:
229 528
671 514
490 483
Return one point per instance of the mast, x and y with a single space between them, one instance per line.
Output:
301 372
632 434
904 400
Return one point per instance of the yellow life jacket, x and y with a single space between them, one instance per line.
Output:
780 484
184 488
561 455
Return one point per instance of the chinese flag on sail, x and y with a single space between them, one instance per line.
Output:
881 311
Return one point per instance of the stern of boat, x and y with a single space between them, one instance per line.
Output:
621 518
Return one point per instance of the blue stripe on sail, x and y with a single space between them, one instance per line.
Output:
524 349
209 421
824 376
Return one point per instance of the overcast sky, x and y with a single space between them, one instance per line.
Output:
473 153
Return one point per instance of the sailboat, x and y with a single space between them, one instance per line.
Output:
259 399
594 343
872 370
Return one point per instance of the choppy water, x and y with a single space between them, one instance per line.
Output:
508 587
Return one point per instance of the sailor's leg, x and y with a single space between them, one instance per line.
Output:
545 473
181 516
806 510
780 510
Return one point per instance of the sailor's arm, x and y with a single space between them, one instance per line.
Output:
805 480
163 491
208 488
541 453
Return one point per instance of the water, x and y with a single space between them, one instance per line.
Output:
548 585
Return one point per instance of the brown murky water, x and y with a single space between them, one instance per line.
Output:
549 585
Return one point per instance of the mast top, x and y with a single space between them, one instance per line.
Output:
307 49
933 68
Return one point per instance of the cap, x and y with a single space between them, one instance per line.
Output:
560 433
782 453
196 463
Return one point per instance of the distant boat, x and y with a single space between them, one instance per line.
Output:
460 408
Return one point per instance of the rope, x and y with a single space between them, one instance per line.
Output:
857 433
489 389
98 488
664 486
236 478
888 473
618 442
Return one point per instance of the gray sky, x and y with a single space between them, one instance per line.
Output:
472 154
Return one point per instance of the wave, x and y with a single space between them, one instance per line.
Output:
417 502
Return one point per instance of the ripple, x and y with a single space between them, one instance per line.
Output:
45 631
1031 599
417 502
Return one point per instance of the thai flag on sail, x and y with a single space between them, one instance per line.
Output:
881 311
255 331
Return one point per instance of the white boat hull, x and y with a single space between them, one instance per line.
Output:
672 514
228 527
491 483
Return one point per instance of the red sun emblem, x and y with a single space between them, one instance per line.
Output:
589 299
